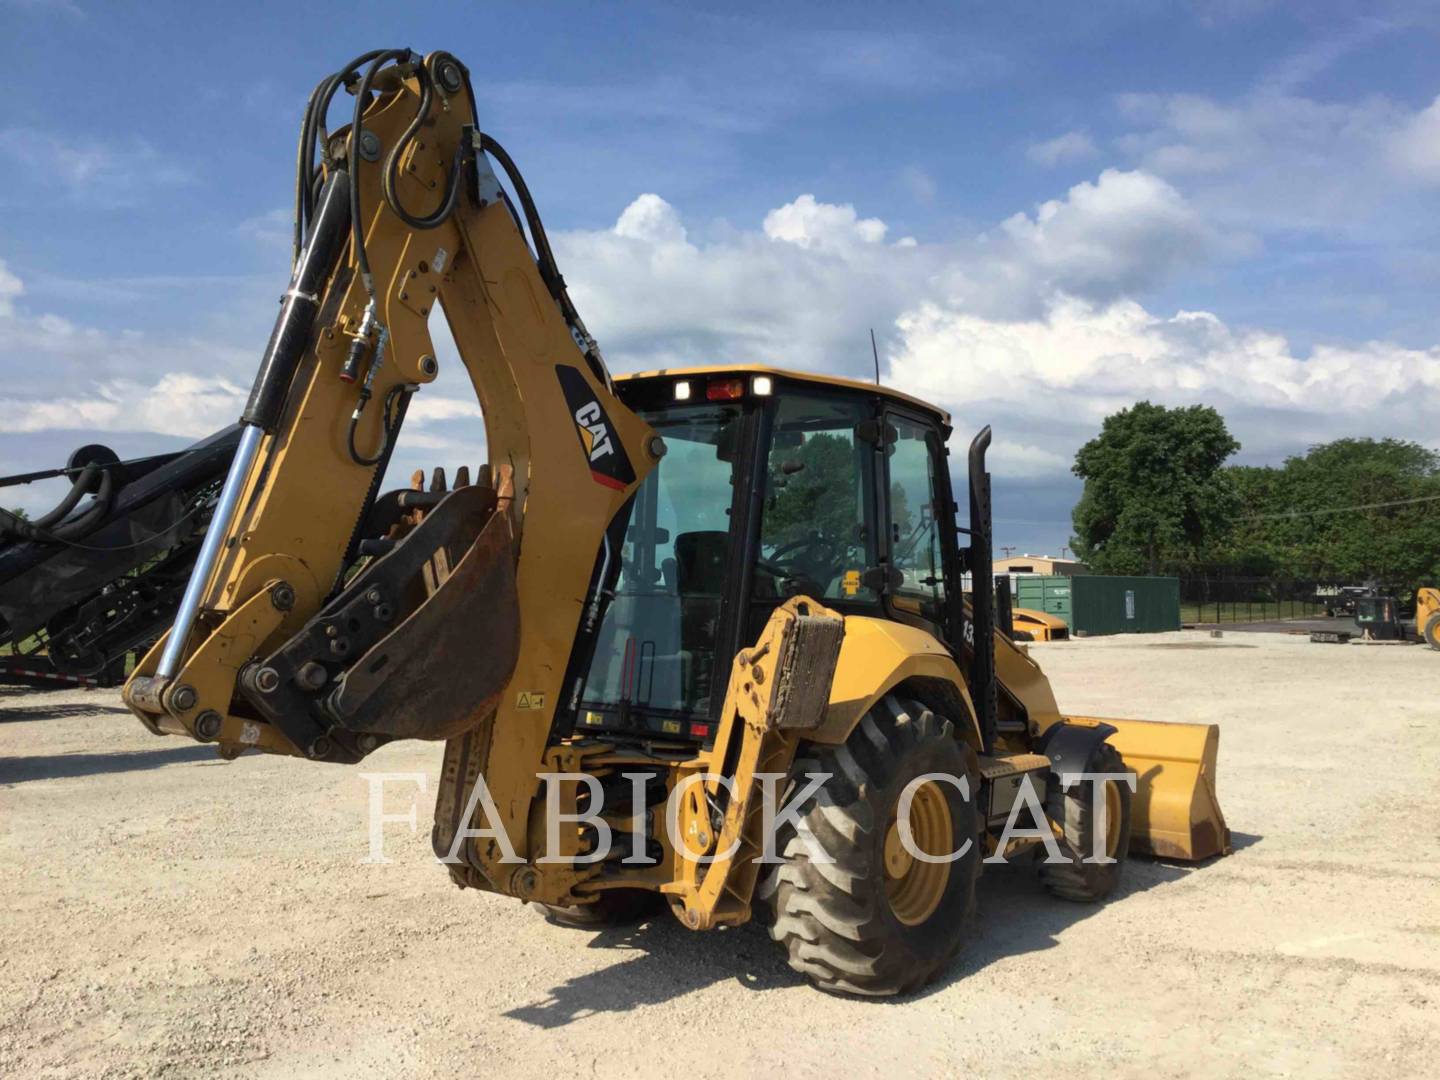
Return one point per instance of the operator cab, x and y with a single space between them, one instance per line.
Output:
1378 617
774 484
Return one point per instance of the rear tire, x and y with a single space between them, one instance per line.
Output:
615 907
875 921
1431 633
1074 811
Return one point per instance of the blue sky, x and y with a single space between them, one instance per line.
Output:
1045 210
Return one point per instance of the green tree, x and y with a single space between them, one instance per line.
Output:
817 497
1314 518
1155 492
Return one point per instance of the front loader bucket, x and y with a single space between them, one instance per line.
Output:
1174 813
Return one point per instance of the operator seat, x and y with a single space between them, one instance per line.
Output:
701 560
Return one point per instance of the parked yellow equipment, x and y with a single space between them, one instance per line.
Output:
664 590
1032 625
1427 616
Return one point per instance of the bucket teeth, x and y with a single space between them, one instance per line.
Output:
439 484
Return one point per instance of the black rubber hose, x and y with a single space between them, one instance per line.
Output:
362 98
392 165
78 487
395 406
544 256
94 514
26 530
313 132
51 528
304 171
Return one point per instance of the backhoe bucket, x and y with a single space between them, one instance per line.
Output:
430 632
1174 813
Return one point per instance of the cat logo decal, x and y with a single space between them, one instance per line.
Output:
608 462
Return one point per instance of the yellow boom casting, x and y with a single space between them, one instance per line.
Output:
683 595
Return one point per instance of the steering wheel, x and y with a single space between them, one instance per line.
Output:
795 563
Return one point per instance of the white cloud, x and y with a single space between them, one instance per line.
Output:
10 288
1033 325
805 288
651 219
101 172
60 7
1276 162
428 408
1017 460
1080 362
175 404
823 226
84 379
1415 145
1063 149
1116 235
920 184
658 296
273 230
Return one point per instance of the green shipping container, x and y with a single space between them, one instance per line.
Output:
1043 592
1094 604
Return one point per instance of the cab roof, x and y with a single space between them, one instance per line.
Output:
720 370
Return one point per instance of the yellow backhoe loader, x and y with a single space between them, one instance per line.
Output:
693 637
1427 616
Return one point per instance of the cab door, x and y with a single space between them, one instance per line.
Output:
919 541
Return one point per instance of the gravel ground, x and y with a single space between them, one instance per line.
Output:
166 913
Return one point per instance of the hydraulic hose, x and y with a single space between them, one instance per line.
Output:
313 134
396 402
78 488
362 98
93 515
544 256
52 527
392 164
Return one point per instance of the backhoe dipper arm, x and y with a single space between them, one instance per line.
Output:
284 642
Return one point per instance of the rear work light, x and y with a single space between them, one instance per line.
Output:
724 389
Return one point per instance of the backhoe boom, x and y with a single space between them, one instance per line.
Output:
287 643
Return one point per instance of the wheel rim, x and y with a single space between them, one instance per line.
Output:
913 886
1112 818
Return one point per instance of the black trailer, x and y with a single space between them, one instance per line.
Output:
100 576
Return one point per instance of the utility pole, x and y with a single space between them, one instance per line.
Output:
1006 550
1064 551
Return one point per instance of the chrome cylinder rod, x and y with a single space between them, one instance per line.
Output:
215 535
288 341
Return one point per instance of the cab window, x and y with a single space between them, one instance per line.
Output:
915 518
817 535
656 646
